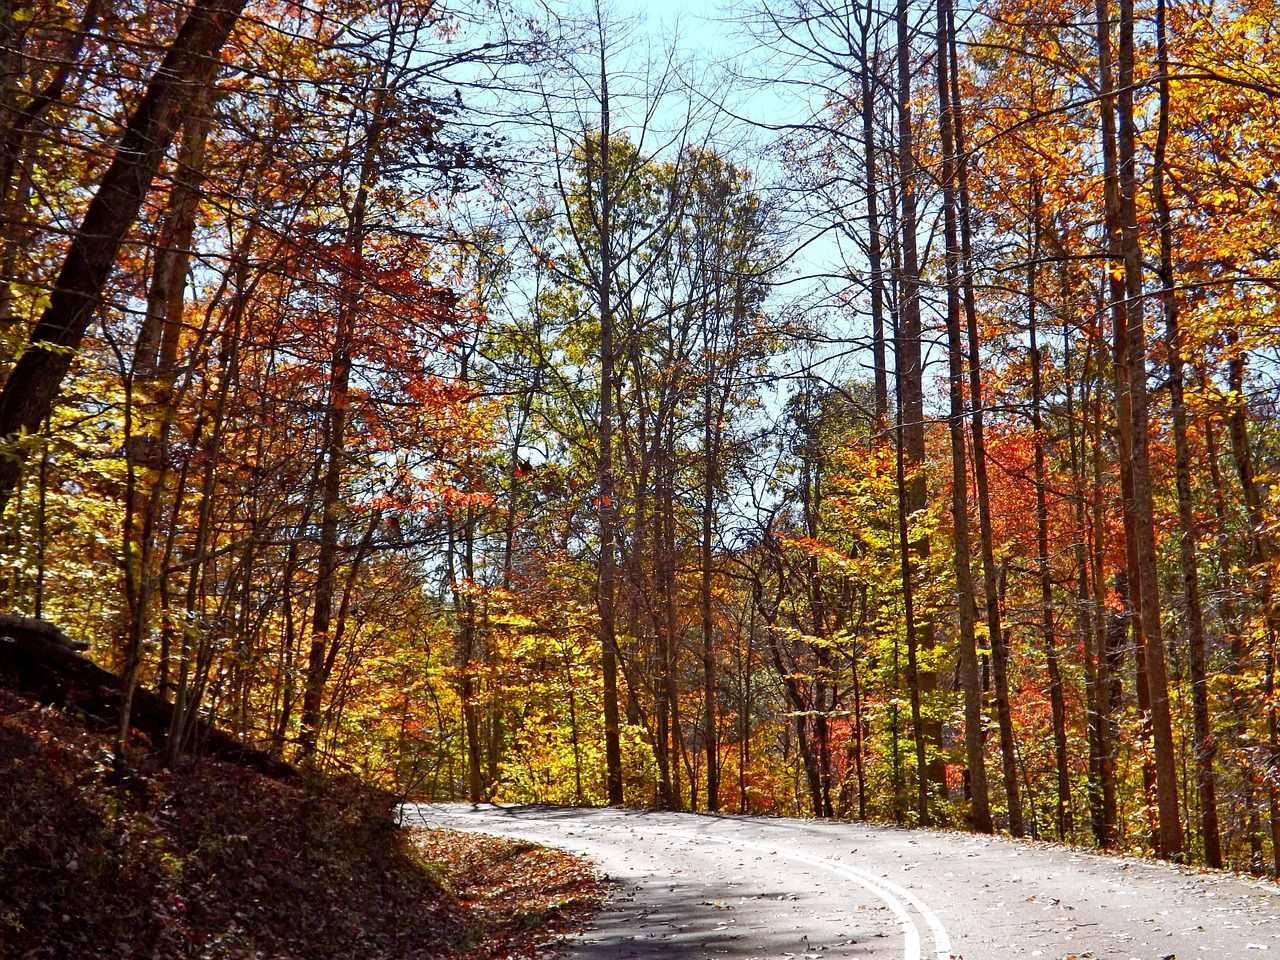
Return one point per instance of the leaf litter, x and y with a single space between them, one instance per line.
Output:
99 862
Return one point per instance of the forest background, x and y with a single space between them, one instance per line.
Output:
503 403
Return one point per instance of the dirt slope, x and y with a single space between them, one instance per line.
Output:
221 861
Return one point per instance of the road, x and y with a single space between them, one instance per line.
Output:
709 887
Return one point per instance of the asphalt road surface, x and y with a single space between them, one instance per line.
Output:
709 887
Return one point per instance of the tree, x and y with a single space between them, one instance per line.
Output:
967 611
189 65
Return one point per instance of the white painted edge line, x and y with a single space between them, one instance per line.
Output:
891 893
910 932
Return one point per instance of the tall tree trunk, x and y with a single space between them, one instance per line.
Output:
1117 295
910 377
811 496
711 450
1110 652
461 586
1228 589
875 256
190 64
1260 554
1048 629
154 370
338 413
607 511
970 681
1087 615
999 639
667 627
1205 748
1170 826
909 625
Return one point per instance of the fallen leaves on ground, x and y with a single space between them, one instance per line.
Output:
221 863
524 897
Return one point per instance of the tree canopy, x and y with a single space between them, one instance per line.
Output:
514 405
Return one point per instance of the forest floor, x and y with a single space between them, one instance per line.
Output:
218 861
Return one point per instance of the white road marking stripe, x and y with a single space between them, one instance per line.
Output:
878 886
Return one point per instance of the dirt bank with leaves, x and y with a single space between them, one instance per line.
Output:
220 861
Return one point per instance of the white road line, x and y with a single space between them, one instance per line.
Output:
910 932
891 893
942 942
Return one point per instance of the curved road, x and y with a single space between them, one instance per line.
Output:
709 887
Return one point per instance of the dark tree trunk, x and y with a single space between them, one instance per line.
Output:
29 394
1260 553
1205 748
875 254
1087 615
1048 630
999 639
910 382
1170 826
337 417
970 682
1123 382
607 510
